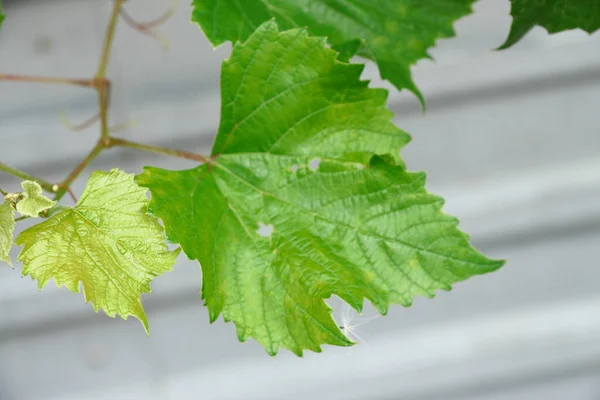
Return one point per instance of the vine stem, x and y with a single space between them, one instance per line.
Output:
65 186
102 85
47 186
2 192
88 83
108 38
104 143
116 142
107 143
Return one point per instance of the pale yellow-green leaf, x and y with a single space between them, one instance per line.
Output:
107 243
7 228
33 200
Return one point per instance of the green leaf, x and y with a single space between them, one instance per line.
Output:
1 14
291 212
554 15
33 200
271 105
107 242
7 229
396 33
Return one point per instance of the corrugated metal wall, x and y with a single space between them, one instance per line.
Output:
509 138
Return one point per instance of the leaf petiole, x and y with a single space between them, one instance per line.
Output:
89 83
160 150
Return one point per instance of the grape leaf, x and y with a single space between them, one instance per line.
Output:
289 211
268 106
7 229
554 15
33 200
1 14
106 241
395 34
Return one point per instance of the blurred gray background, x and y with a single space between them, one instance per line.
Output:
509 138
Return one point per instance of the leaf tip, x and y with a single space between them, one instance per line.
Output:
517 32
213 315
273 350
415 90
507 43
496 264
297 352
144 320
269 26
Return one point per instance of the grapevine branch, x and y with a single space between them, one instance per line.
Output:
102 86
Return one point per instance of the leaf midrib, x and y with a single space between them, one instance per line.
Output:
118 264
337 223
